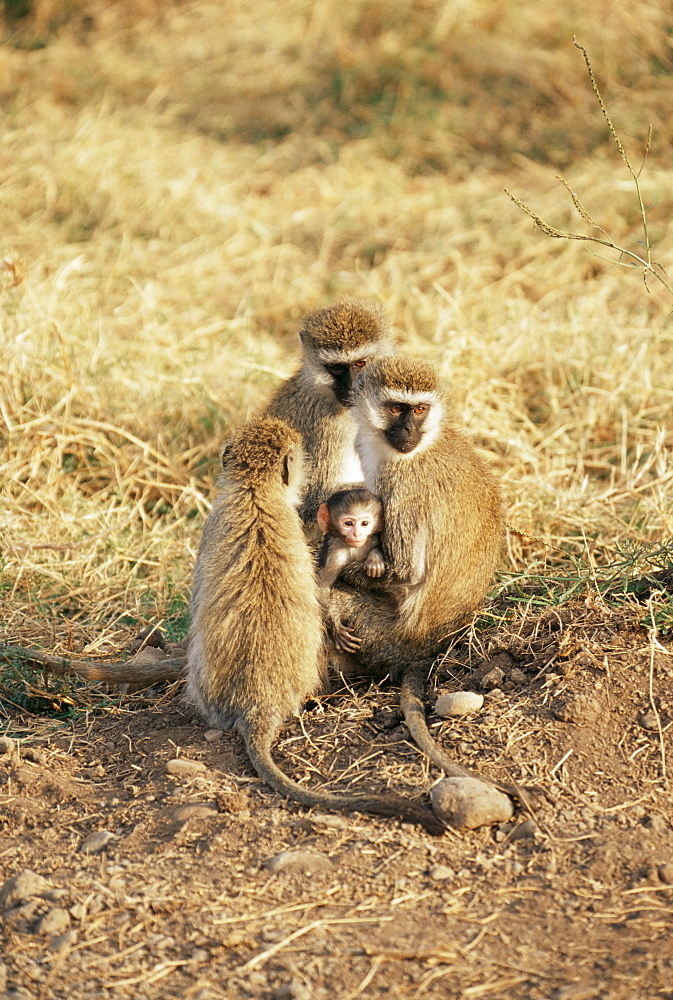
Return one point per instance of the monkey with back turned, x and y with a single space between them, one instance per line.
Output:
256 644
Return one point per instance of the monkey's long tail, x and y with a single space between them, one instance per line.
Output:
258 744
412 691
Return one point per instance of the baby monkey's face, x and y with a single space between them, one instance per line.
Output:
357 526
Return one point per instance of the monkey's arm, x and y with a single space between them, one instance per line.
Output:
375 564
406 557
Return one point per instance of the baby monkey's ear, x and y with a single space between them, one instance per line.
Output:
324 520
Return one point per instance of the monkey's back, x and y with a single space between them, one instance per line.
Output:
256 635
328 433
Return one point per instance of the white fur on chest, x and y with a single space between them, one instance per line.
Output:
373 451
351 467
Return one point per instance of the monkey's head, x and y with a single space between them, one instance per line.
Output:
355 514
399 401
266 452
339 342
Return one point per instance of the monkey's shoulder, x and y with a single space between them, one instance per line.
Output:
301 408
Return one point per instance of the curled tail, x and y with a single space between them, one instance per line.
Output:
412 691
258 744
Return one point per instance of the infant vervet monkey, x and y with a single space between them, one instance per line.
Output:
350 520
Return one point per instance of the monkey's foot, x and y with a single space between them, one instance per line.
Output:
344 639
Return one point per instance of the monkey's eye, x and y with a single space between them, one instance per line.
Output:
348 524
360 363
395 407
365 524
421 408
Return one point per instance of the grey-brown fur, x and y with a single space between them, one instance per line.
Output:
255 645
343 332
442 538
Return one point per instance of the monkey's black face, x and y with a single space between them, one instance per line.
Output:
405 425
343 378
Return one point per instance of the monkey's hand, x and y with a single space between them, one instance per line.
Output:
374 564
344 639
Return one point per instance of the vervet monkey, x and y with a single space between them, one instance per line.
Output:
350 521
442 535
256 642
338 343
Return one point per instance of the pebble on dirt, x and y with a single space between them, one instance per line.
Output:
493 679
299 861
96 841
193 810
665 873
440 873
183 767
583 710
54 922
7 745
458 703
21 887
466 803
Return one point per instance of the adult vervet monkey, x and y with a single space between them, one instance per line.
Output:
338 343
256 639
442 534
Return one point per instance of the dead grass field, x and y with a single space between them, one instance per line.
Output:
179 184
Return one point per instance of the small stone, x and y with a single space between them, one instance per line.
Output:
583 710
20 887
466 803
95 842
517 676
184 768
7 745
213 735
299 861
293 990
493 679
648 720
200 955
655 822
665 873
23 918
524 830
194 810
55 921
440 873
63 941
458 703
325 819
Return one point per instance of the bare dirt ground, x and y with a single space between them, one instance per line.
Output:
178 900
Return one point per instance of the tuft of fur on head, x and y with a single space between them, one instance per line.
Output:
395 380
340 332
256 452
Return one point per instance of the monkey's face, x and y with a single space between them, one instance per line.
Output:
357 526
404 424
343 377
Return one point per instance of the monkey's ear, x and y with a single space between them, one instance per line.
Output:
285 470
324 520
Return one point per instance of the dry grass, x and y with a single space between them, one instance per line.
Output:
179 184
